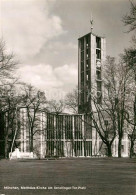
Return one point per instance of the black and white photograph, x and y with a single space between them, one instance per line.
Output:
67 97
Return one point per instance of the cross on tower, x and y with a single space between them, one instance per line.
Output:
91 22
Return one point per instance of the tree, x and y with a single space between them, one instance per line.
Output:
130 19
100 119
9 102
116 81
108 118
7 62
8 99
7 68
34 101
105 124
55 106
129 58
131 119
71 101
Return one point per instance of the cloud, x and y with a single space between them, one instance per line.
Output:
67 74
57 53
32 31
54 81
28 25
61 45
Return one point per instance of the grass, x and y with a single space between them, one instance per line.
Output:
96 176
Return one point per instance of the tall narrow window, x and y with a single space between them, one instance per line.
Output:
98 74
88 53
99 86
98 42
98 54
87 75
82 77
87 64
82 66
82 56
82 44
88 41
99 92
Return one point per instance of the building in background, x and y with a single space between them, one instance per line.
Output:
60 135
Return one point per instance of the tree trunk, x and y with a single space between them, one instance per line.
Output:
6 147
131 148
119 147
109 150
31 144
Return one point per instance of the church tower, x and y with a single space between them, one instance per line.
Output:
91 54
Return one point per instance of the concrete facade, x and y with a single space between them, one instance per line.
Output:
91 55
60 135
64 136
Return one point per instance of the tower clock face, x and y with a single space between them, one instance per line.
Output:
98 64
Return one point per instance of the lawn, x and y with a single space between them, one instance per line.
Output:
96 176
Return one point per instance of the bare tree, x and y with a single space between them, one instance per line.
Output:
9 102
111 113
116 81
7 62
33 101
108 118
8 95
102 118
129 58
55 106
131 119
71 101
104 121
130 19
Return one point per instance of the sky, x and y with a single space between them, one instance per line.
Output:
43 35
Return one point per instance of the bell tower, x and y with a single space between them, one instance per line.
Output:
91 54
